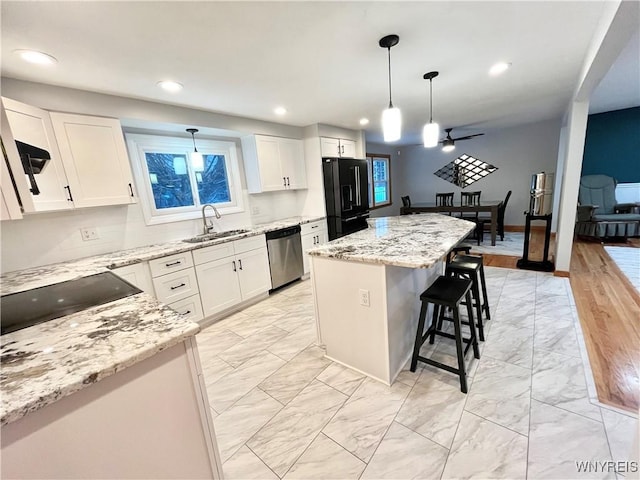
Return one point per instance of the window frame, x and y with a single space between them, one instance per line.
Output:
370 158
140 144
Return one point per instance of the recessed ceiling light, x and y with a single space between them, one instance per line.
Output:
170 86
499 68
364 121
38 58
280 110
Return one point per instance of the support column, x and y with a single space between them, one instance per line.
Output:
577 129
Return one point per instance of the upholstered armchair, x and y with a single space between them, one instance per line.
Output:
598 213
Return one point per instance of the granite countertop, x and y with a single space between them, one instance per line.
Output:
21 280
412 241
45 362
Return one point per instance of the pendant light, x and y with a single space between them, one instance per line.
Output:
431 130
197 162
391 118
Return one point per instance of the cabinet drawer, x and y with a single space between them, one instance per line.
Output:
250 243
215 252
172 263
176 286
190 308
313 227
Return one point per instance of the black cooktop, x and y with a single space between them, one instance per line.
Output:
24 309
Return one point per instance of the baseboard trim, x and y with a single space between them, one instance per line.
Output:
561 273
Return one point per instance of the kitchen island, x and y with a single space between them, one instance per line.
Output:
367 286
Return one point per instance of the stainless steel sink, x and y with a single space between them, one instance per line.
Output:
214 236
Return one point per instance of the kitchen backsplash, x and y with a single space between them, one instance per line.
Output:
45 238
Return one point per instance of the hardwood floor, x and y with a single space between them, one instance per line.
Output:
609 310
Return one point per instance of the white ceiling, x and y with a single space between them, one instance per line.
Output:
321 60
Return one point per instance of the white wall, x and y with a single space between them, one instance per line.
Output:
45 238
518 152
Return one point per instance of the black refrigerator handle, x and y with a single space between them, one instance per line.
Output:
357 177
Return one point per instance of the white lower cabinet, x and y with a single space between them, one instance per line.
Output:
227 280
176 286
219 283
138 275
312 234
175 283
190 308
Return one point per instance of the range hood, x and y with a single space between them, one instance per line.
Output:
34 160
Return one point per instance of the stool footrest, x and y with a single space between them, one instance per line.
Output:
434 363
467 341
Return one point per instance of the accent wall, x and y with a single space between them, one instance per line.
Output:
612 145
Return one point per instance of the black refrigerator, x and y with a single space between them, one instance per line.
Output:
346 193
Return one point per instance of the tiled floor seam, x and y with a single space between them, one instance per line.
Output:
258 457
267 393
569 411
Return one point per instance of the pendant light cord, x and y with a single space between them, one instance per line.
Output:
193 137
389 52
430 101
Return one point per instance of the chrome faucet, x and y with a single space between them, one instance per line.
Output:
208 226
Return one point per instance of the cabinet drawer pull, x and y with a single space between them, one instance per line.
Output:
173 263
288 183
240 263
234 265
284 181
315 226
186 313
68 189
131 189
179 286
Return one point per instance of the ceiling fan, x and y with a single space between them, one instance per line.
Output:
448 143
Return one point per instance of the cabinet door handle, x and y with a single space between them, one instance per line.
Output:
240 263
342 152
179 286
70 198
234 265
288 183
173 263
131 189
284 181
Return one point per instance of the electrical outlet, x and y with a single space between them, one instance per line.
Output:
89 233
364 297
255 210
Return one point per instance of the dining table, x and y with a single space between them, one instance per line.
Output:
491 206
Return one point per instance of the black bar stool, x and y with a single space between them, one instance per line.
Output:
446 292
472 267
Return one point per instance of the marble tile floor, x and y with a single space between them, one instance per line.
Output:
282 410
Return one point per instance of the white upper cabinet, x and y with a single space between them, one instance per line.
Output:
87 163
45 187
95 159
337 147
292 162
273 163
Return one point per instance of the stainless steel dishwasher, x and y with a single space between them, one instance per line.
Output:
285 255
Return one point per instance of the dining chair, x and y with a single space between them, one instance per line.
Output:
472 199
444 200
500 224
